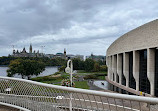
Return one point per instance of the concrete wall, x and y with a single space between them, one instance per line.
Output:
143 37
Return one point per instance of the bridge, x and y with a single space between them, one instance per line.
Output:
27 95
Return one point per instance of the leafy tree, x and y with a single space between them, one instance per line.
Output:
101 62
89 64
26 68
81 65
78 64
96 67
103 68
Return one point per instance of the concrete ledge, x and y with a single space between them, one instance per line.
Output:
126 88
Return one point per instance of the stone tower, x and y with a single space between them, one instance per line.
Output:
65 53
30 50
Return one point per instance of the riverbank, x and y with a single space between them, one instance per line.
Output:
48 70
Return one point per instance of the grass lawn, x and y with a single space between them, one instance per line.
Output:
78 84
82 72
101 77
81 84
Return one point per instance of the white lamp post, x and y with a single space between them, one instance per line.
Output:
69 69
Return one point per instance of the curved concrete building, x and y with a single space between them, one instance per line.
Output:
132 61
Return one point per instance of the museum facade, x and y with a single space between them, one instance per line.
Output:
132 60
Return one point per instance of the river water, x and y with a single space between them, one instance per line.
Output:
48 71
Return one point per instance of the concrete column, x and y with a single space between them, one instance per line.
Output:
110 70
115 67
151 69
119 67
109 66
114 63
126 67
136 68
107 63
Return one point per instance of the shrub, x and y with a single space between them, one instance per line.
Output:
67 82
103 68
56 73
96 67
90 76
62 68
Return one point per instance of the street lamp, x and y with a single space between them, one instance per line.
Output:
69 69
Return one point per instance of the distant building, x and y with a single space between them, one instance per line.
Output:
49 55
64 55
97 57
24 53
31 53
71 56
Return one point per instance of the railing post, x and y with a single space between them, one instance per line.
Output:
71 86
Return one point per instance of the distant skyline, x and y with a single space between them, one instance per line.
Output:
80 26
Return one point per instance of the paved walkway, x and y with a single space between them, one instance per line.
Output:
92 86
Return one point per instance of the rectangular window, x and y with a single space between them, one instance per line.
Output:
156 72
132 82
144 83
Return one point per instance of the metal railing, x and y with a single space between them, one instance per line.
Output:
37 96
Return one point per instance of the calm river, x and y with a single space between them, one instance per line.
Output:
48 71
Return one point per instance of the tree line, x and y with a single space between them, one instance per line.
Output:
88 65
27 67
47 61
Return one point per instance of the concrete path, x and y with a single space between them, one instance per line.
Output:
92 86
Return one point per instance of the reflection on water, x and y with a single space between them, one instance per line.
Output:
3 71
48 71
101 84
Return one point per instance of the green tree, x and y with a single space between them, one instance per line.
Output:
103 68
89 64
78 64
62 68
81 65
26 68
96 67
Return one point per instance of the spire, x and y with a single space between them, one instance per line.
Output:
64 51
17 52
24 51
30 51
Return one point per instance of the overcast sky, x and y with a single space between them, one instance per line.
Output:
80 26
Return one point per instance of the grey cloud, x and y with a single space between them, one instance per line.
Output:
21 20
